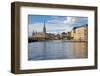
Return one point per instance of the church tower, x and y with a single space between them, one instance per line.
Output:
44 31
44 28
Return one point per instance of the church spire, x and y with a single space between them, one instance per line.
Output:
44 28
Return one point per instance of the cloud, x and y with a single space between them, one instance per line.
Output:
76 21
56 20
69 20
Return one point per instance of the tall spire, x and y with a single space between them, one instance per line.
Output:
44 28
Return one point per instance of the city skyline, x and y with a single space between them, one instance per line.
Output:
57 37
54 24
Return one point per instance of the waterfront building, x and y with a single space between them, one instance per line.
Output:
43 35
80 33
72 34
64 35
40 35
50 36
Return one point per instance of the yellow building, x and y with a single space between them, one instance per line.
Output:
80 33
72 33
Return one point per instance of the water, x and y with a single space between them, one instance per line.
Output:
57 49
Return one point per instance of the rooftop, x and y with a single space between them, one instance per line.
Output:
85 25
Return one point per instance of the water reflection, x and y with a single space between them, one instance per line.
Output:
57 49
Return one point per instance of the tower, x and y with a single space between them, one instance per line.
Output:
44 31
44 28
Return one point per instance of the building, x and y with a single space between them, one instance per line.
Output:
72 33
80 33
50 36
69 34
40 35
44 28
43 35
64 35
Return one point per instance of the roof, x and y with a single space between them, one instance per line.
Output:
85 25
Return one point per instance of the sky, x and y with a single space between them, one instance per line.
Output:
54 24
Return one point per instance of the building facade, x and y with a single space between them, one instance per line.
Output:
80 33
40 35
43 35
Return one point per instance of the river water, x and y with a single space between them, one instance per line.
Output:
57 49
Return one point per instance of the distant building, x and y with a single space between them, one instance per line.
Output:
40 35
80 33
50 36
69 34
63 35
43 35
72 33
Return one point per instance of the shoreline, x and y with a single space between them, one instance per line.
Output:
56 40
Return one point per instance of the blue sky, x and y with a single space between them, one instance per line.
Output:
54 24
